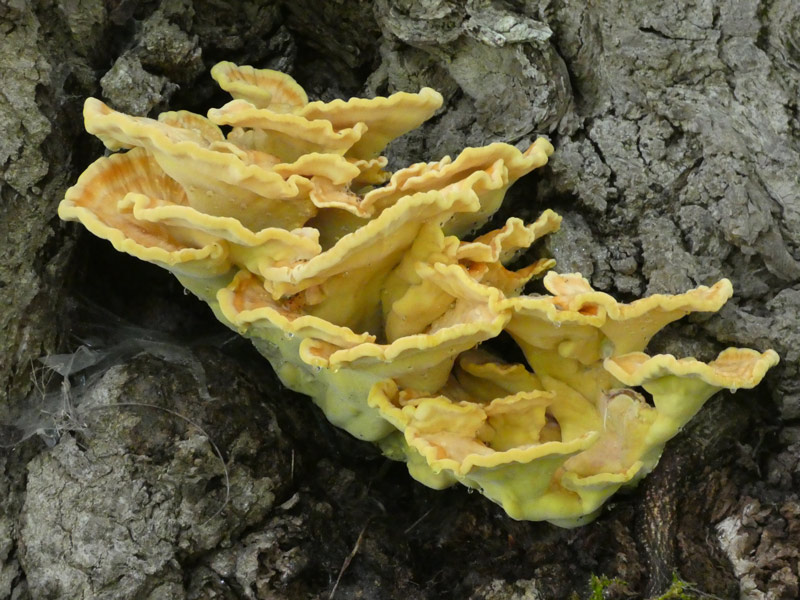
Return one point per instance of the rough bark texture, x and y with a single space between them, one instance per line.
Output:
676 132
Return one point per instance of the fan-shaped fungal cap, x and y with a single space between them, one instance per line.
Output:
216 181
386 118
596 324
734 368
263 88
285 135
378 120
487 171
103 198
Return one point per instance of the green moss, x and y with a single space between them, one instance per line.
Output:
599 583
682 590
678 589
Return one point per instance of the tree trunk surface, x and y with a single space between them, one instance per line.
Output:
677 156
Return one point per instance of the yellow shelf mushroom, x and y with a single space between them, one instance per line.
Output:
356 285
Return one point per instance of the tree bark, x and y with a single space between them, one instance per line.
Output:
675 125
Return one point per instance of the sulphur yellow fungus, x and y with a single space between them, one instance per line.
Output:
356 285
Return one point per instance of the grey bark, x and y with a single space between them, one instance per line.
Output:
675 125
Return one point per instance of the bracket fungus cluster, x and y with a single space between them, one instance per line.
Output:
357 286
